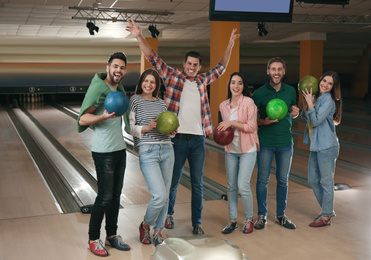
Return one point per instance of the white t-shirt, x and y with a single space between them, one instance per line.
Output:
236 143
190 110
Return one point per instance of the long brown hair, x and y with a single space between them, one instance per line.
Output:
245 91
335 94
139 89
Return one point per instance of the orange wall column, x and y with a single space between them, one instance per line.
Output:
220 33
311 60
361 84
144 64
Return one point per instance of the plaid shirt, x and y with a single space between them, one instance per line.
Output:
174 82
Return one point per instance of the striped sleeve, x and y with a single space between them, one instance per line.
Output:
142 111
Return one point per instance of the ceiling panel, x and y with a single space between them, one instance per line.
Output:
52 20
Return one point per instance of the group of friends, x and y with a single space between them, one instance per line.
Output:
257 139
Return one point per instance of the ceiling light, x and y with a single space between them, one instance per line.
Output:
261 29
91 26
154 32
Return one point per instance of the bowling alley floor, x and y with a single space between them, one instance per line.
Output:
58 236
32 228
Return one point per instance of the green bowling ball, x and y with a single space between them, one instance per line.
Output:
276 109
308 82
167 122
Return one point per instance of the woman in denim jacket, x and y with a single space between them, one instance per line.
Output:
240 112
322 113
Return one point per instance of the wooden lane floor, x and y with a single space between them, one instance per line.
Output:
61 237
346 134
22 189
353 156
353 164
65 236
64 129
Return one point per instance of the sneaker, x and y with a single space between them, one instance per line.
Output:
231 226
260 222
320 222
197 230
144 235
157 238
97 248
285 222
116 242
248 226
169 223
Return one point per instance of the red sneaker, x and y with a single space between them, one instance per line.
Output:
97 248
144 235
169 223
320 222
248 227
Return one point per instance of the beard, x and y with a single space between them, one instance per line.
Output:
272 80
113 78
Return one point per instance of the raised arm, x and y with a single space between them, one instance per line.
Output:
227 54
134 29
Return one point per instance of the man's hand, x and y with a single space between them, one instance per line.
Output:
268 121
107 115
233 37
227 54
133 28
294 111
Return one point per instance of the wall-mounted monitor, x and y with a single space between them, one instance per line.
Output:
251 10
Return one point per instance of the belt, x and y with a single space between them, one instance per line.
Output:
185 136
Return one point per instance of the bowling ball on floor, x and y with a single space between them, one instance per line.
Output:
308 82
223 137
167 122
117 102
276 109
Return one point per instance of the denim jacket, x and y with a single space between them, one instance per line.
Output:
321 117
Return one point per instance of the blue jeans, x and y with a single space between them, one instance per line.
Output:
283 158
239 170
156 163
110 168
321 171
193 148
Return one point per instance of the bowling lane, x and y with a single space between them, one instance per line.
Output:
23 192
215 170
64 129
214 162
356 154
346 171
346 134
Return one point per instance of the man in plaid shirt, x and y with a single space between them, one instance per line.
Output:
186 96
